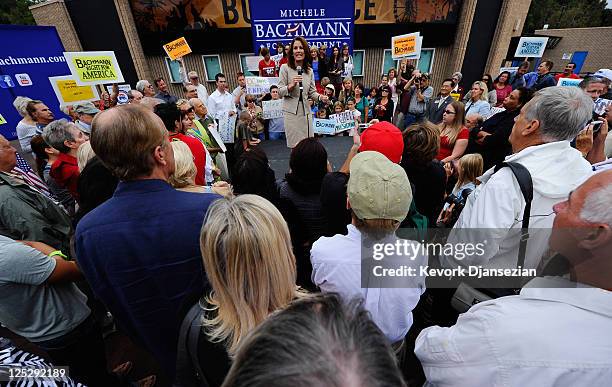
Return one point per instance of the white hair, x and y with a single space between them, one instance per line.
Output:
562 111
596 207
20 104
140 85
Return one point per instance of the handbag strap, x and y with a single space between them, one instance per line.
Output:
188 341
523 177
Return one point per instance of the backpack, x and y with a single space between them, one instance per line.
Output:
188 371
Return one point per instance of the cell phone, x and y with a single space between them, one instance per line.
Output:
363 127
596 126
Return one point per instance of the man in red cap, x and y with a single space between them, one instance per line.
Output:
382 137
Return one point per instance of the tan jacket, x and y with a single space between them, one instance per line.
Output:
291 99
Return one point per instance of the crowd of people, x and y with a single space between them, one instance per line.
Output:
142 220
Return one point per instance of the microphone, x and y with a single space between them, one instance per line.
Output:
299 71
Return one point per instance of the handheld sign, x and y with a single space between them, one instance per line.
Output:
272 109
601 104
344 121
531 47
227 124
177 48
322 126
260 85
68 92
569 82
94 67
406 46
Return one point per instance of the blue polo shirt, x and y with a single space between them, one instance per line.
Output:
140 253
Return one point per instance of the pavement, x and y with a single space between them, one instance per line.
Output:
278 153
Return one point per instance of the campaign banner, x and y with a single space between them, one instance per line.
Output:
569 82
406 46
68 92
25 68
227 124
94 67
318 21
344 121
177 48
323 126
272 109
531 47
600 106
260 85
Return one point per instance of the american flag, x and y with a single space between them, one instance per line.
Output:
26 172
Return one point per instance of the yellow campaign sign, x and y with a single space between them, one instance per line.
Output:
404 45
2 120
94 67
71 92
177 48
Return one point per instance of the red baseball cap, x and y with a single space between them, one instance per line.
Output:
385 138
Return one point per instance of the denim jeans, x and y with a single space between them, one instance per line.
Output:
410 119
82 349
277 136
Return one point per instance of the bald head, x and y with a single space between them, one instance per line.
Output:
125 138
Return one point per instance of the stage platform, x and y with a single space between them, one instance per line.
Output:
278 153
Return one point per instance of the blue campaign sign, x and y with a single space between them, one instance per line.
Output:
29 56
319 21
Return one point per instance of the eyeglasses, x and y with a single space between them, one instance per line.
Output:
449 112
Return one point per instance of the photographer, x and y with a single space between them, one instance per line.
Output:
419 94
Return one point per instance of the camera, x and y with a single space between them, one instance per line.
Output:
418 79
459 203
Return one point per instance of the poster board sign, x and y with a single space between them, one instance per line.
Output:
260 85
227 124
405 46
495 110
125 88
212 128
68 92
569 82
344 121
511 70
272 109
177 48
323 126
94 67
531 47
600 106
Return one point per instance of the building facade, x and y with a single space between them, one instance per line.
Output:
471 36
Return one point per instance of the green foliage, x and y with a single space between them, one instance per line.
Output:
16 11
566 14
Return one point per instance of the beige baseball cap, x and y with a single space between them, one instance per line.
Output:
378 188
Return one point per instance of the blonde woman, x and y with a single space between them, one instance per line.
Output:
469 168
453 133
26 128
250 265
84 154
479 102
183 178
347 91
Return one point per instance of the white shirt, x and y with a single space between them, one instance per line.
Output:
549 335
336 267
202 94
498 204
220 103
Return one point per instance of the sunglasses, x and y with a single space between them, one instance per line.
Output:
190 110
449 112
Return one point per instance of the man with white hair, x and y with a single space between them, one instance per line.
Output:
556 331
202 92
146 88
540 141
134 96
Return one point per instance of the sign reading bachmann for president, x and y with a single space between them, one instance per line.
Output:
319 21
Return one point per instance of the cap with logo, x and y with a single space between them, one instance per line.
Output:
378 188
